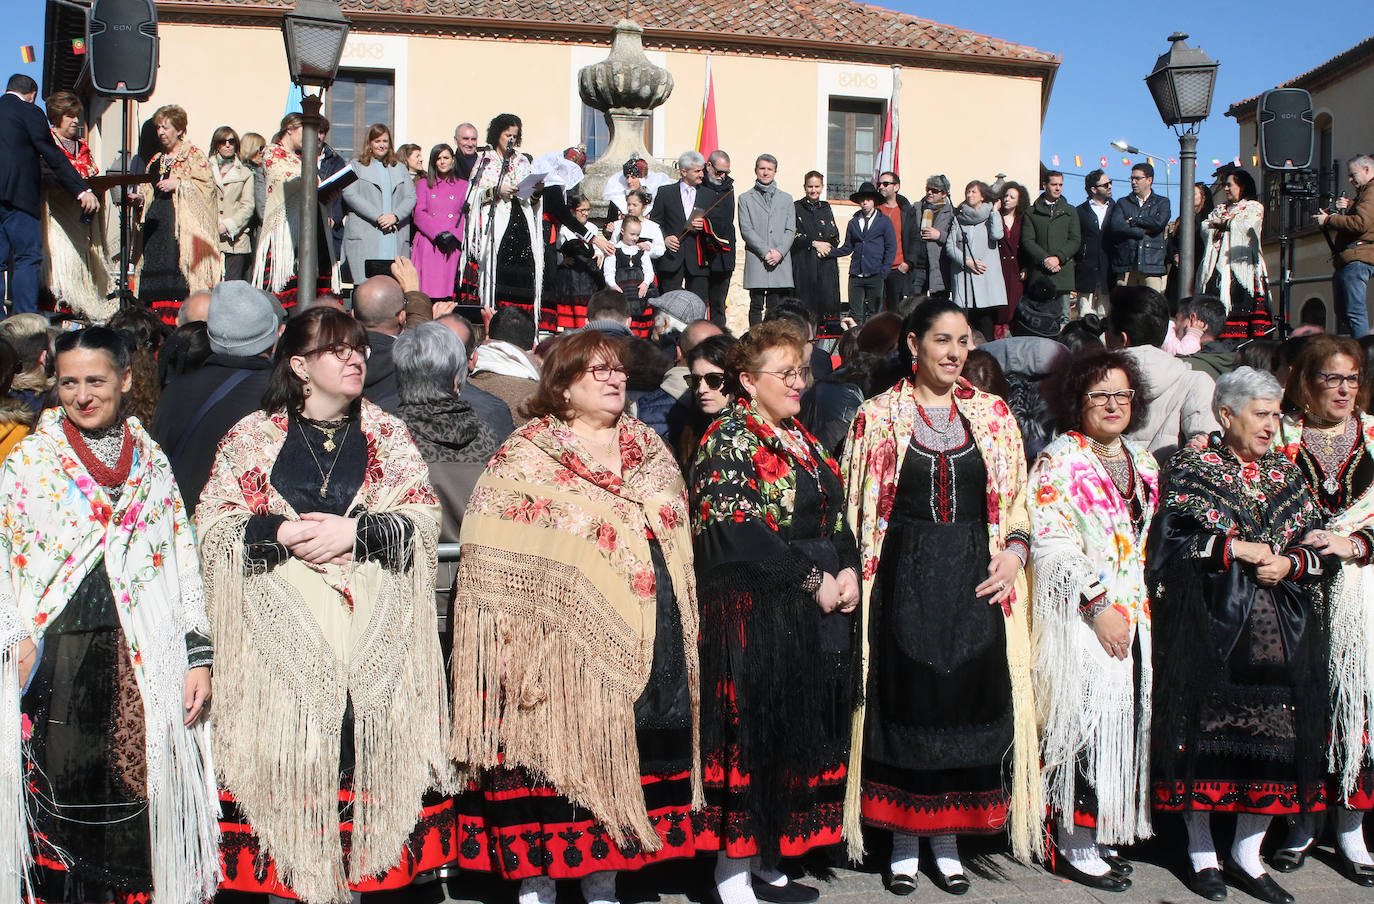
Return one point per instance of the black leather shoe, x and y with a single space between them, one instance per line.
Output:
1110 882
1262 886
1208 884
791 893
900 883
1359 873
1288 860
956 884
1120 865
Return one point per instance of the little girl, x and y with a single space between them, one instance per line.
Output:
630 271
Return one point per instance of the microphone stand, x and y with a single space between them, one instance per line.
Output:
490 238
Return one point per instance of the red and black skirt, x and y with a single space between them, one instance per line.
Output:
247 868
1362 798
289 294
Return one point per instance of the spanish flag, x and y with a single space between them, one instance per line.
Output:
707 138
26 53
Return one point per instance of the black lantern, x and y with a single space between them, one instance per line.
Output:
1182 83
315 33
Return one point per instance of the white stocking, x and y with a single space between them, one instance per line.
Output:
946 851
770 874
537 890
1078 844
1202 851
1350 836
599 887
1245 851
732 880
906 854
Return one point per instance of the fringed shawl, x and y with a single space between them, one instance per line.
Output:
274 263
1233 235
1083 542
277 724
487 219
878 440
554 611
57 524
1350 613
196 206
75 269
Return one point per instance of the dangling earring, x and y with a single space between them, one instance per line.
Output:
306 390
915 365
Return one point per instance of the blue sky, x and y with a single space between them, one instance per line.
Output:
1099 94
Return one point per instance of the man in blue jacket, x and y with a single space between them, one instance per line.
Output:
24 137
873 242
1136 230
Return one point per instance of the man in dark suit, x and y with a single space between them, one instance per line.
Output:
1093 273
687 262
722 220
24 137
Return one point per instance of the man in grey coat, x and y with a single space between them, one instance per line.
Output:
767 224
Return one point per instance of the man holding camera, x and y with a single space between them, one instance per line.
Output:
1352 226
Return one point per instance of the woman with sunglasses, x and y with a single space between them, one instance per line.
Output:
318 530
574 641
1091 497
236 203
708 393
936 475
777 568
1329 437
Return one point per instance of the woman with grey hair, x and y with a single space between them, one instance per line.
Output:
1240 702
431 367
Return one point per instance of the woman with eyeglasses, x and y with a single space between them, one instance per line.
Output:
936 478
1240 707
236 193
1232 267
1328 435
575 685
777 571
1091 497
318 530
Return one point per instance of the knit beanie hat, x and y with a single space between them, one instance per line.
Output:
242 321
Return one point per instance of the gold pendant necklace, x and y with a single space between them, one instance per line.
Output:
329 447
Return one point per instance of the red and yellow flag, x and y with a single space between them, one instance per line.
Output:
708 139
26 53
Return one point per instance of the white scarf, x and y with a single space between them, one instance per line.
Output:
59 523
497 357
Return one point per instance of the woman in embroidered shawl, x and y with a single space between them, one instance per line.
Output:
274 261
575 689
1091 497
318 530
1326 433
936 475
74 265
107 787
503 255
1232 266
1240 692
179 239
777 570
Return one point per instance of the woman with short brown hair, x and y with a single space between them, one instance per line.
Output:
378 205
236 203
777 566
74 255
575 687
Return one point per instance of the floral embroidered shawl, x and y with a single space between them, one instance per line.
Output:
1350 612
878 440
488 218
272 653
75 268
196 202
58 523
555 609
1083 542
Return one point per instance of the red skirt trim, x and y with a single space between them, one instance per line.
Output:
248 869
1271 798
1363 796
167 310
722 825
518 828
951 813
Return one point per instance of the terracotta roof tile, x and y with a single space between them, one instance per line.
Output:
823 21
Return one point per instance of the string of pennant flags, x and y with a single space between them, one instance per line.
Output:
27 54
1128 162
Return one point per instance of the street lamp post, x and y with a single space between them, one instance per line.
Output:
315 32
1181 84
1127 148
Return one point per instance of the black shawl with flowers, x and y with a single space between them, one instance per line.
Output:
779 675
1202 598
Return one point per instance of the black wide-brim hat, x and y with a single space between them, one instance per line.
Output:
866 190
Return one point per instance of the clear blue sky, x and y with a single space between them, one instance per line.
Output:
1099 94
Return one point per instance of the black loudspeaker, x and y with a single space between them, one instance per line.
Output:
1287 136
123 48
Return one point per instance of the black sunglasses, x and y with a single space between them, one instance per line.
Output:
713 381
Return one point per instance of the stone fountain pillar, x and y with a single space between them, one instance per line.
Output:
626 87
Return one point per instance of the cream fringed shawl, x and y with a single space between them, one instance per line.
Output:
878 440
57 524
196 205
1084 543
554 613
288 674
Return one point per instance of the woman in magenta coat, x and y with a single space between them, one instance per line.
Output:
438 224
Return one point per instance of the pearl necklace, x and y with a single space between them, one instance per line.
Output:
1106 450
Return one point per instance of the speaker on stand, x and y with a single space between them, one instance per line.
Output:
1287 140
122 49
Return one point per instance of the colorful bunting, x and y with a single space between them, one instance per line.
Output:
1254 160
79 46
1103 162
1173 162
26 53
1077 161
1150 160
1125 161
1054 161
1216 161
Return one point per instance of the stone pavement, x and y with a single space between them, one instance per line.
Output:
996 878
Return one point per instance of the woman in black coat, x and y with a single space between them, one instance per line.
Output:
815 274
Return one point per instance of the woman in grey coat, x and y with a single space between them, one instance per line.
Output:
767 224
377 207
976 266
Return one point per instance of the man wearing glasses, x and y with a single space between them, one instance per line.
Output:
893 206
1136 232
1092 265
925 227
